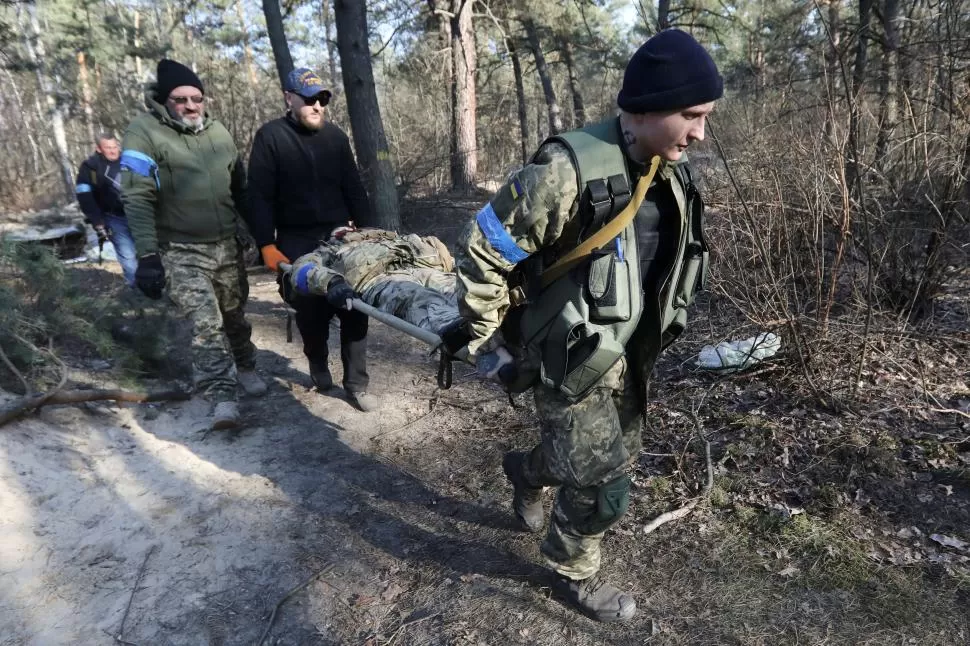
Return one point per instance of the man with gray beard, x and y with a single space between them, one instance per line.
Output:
304 187
183 187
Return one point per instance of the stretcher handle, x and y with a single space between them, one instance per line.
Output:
400 325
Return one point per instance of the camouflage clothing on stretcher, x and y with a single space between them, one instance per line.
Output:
407 276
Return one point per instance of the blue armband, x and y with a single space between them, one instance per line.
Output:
140 164
498 237
303 278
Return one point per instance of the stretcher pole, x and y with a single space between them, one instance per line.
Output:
390 320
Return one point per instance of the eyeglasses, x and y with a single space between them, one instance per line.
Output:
182 100
323 99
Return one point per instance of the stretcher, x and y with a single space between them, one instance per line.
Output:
433 340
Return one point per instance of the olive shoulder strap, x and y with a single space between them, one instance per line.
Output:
610 230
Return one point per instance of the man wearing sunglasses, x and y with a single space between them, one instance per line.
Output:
303 187
183 188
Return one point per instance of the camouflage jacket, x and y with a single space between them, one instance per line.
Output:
537 207
362 257
406 276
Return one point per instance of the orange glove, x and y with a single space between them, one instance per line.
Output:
272 257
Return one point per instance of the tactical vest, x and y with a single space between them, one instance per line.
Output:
570 332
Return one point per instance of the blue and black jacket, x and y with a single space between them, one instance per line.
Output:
98 189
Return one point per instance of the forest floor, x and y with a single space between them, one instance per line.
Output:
131 524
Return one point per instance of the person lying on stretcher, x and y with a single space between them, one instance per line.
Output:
407 276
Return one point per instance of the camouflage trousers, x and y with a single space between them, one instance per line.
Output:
585 445
208 284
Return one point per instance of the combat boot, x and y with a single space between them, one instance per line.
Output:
225 416
526 500
251 383
596 598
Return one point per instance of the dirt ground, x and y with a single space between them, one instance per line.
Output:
131 524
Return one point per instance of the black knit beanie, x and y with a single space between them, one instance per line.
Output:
669 71
171 75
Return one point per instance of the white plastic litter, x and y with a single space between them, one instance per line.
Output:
732 356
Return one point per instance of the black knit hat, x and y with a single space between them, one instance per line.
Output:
171 75
669 71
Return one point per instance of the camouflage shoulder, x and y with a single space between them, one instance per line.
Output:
549 176
554 153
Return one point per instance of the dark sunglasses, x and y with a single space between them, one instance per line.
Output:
182 100
323 99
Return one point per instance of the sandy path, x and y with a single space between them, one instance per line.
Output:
229 523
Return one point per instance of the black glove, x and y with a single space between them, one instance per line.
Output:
287 293
103 233
455 336
150 276
339 292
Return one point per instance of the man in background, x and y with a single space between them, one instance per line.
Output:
303 187
98 189
183 187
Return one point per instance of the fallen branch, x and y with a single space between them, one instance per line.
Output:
409 623
27 404
279 604
31 402
119 638
16 373
677 514
951 411
669 516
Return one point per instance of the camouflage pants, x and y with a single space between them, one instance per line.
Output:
585 444
207 282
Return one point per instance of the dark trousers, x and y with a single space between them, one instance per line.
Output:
313 316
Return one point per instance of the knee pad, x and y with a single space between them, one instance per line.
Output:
612 501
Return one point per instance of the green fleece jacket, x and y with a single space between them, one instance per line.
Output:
178 184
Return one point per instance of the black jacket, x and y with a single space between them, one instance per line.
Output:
98 189
303 183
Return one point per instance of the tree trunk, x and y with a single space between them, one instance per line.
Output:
663 14
887 80
82 73
365 113
579 108
858 81
524 138
55 112
247 52
136 41
862 47
552 103
326 18
35 154
832 66
464 158
253 113
277 38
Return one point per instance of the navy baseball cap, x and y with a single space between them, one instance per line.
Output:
306 83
